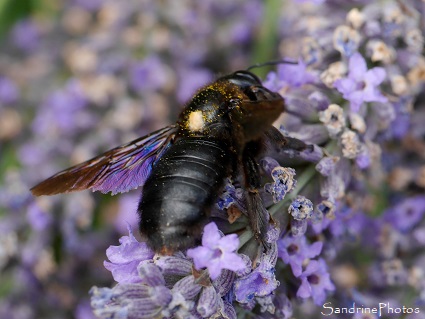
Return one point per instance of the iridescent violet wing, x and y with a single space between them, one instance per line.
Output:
116 171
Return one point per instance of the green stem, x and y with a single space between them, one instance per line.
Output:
265 47
245 237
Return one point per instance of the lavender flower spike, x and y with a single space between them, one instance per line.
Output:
361 84
217 252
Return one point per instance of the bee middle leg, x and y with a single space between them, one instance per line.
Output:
258 215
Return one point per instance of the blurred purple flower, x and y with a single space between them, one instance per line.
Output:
315 281
127 211
310 1
283 305
289 75
243 29
38 219
191 80
405 215
84 311
8 91
90 5
126 257
363 159
326 165
294 250
361 84
63 111
217 252
148 75
26 35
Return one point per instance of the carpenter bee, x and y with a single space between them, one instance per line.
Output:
183 167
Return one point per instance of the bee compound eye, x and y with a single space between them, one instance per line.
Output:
243 79
248 77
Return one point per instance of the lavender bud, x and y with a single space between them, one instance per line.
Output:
298 227
224 282
171 265
150 273
301 208
327 165
346 40
284 182
208 302
333 118
188 287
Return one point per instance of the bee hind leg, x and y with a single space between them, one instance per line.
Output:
258 215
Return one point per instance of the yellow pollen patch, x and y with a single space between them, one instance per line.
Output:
196 121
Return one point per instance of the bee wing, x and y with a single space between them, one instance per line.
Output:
117 170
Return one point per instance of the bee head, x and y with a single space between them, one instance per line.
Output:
236 99
258 108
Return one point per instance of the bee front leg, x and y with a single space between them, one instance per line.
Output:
280 142
257 214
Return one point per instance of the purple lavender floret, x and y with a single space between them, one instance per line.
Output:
125 258
294 250
361 85
315 282
217 252
230 196
363 160
261 282
289 75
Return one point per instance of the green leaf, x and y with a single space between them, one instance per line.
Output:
12 11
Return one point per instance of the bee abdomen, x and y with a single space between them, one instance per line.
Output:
180 191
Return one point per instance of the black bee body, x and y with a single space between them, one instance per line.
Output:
188 178
183 167
182 187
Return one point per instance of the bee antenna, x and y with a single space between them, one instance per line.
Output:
276 62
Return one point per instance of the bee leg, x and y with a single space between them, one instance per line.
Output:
281 142
257 214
